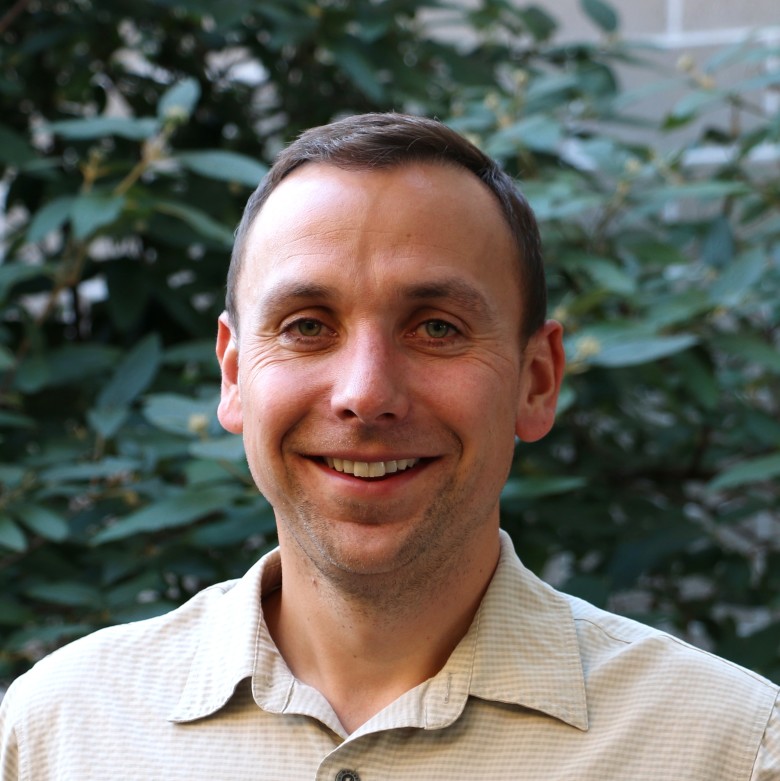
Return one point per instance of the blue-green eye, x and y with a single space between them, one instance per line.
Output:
308 327
437 329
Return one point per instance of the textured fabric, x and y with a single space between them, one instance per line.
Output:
543 687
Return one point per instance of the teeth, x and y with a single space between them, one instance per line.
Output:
370 468
377 469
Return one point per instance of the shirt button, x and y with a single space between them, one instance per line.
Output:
347 775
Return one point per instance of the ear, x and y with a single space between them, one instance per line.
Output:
543 364
229 410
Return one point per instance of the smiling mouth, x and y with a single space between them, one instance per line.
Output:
370 468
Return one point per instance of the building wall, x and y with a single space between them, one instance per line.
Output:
679 24
691 32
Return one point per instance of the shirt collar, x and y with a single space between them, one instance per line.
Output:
231 629
539 664
521 649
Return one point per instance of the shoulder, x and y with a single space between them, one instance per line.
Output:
154 652
664 672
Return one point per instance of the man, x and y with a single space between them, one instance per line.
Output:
384 343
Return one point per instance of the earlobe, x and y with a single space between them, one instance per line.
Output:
229 410
541 382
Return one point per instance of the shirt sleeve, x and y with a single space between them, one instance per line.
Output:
767 767
9 765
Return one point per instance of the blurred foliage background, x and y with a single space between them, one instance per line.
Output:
130 137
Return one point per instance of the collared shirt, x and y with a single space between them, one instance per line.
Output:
543 686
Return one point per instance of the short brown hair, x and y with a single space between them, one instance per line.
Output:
368 141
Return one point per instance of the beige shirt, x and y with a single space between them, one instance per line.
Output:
543 687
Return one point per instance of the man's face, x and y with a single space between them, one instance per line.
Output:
378 377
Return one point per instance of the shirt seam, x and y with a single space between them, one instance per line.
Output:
760 743
604 631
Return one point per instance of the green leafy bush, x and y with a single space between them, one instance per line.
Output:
128 144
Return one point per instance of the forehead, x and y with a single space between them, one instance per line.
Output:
413 221
422 189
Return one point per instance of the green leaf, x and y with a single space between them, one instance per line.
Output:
75 362
32 374
566 398
359 70
42 521
98 127
718 243
701 191
691 104
107 421
7 358
13 614
131 378
537 132
534 487
635 557
11 536
752 470
552 84
92 211
112 468
538 22
200 351
601 14
179 101
242 523
230 448
15 420
12 274
633 352
51 635
180 414
65 593
128 292
198 221
169 513
14 149
592 588
604 272
225 166
50 217
234 530
133 375
770 79
677 308
728 55
750 348
11 476
738 278
700 380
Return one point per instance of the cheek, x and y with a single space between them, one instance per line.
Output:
477 393
274 398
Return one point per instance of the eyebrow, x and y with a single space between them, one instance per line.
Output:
461 293
285 293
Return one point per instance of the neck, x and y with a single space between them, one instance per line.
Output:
358 653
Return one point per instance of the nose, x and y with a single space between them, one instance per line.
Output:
370 383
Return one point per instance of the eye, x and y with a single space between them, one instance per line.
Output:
307 327
438 329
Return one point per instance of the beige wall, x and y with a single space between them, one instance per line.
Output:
692 30
679 23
